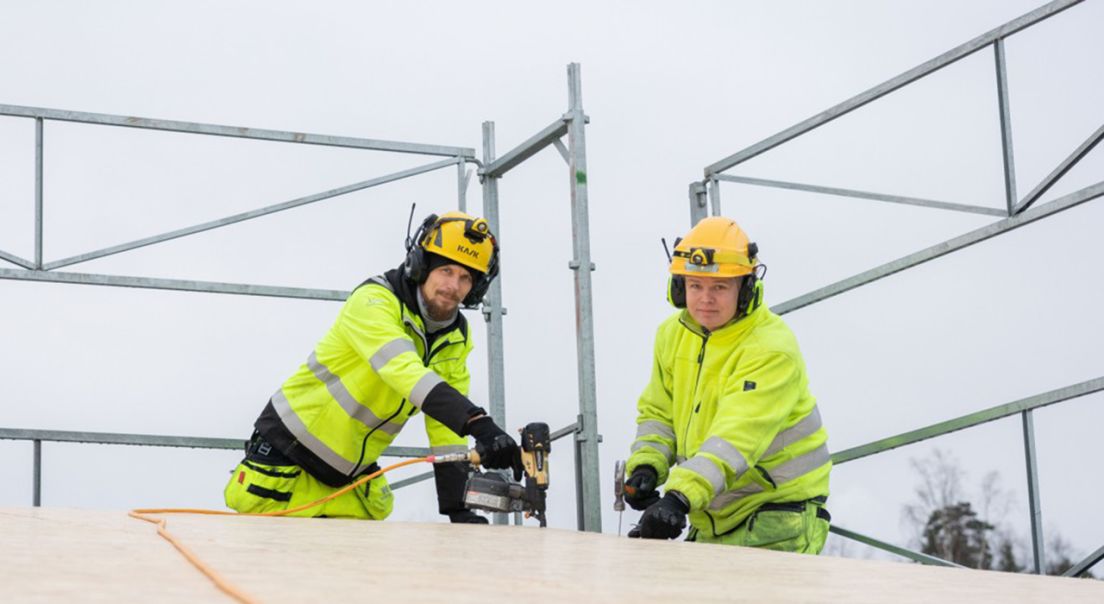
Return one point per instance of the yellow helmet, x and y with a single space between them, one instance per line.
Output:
715 247
461 238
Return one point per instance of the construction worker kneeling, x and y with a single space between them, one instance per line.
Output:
270 482
399 347
727 424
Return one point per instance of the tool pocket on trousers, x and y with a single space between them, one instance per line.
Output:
256 488
777 530
376 498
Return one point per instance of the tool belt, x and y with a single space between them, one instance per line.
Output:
259 450
798 507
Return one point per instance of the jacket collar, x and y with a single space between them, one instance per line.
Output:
407 293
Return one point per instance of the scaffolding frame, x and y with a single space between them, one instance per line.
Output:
705 199
585 428
491 169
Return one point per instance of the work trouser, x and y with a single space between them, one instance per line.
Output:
800 527
266 481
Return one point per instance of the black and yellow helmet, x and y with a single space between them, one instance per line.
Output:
461 238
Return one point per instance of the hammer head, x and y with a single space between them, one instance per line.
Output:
619 486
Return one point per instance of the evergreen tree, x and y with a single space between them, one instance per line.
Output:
1006 557
955 533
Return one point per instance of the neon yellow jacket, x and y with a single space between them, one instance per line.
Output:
372 371
732 409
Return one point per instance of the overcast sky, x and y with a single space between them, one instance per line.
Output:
669 88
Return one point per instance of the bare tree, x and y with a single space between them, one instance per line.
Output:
940 486
994 505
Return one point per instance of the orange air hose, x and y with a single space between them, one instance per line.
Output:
221 583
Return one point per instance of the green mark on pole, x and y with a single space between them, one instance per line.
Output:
580 177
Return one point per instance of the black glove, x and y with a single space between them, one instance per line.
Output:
466 517
640 488
496 448
666 519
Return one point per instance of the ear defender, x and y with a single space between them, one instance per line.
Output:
414 265
750 294
676 291
676 284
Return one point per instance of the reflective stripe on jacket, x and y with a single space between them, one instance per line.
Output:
372 371
728 420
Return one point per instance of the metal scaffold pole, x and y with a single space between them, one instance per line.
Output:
492 304
587 435
698 203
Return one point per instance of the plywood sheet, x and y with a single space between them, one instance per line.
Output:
56 555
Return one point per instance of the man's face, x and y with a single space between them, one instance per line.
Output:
712 300
444 289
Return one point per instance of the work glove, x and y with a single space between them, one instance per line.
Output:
496 448
640 488
666 519
466 517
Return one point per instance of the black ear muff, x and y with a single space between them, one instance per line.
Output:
747 294
750 295
414 266
676 291
676 284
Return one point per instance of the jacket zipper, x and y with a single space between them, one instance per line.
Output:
421 336
436 350
697 406
364 441
427 356
697 384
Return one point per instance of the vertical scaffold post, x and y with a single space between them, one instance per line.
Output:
587 435
1033 493
38 194
492 304
37 488
714 187
698 203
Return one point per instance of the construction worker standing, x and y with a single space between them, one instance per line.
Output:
727 424
399 346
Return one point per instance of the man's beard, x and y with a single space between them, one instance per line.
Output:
440 312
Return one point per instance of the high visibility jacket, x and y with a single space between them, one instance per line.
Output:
371 372
732 409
